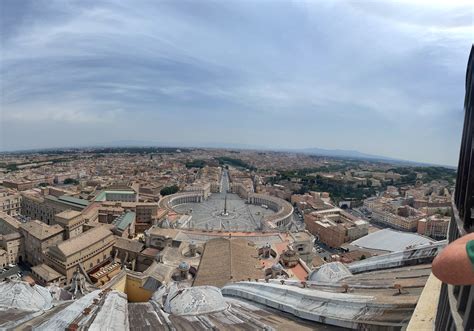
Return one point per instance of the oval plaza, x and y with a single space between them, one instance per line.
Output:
235 207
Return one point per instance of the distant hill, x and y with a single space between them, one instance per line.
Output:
353 154
343 153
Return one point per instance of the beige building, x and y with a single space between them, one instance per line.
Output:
335 227
160 238
435 226
45 275
3 258
10 203
72 222
19 185
390 217
12 243
90 249
45 207
38 236
8 224
147 213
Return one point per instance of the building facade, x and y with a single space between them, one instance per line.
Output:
89 249
10 203
71 221
45 208
38 236
434 226
335 227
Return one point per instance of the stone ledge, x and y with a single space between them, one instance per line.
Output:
425 312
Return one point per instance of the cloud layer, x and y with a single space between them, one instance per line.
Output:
381 77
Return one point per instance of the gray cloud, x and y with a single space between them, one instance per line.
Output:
381 77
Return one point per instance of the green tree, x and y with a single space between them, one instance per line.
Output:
71 181
169 190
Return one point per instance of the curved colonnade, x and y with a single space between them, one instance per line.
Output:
170 201
283 209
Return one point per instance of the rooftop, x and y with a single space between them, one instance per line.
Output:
391 240
41 230
225 261
124 220
72 201
46 272
102 195
82 241
68 214
128 244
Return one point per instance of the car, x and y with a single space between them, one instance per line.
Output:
11 265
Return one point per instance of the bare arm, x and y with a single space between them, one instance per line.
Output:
453 265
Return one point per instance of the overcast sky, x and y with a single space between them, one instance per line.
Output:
380 77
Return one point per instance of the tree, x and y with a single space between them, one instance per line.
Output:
169 190
72 181
362 257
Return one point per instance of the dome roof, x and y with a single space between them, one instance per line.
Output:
277 267
23 296
165 224
194 300
183 266
330 273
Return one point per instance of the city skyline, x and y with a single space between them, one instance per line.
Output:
384 79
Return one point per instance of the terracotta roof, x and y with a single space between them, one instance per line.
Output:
41 230
68 214
11 236
225 261
12 222
150 251
45 272
128 244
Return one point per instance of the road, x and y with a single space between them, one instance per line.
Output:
13 271
225 181
10 272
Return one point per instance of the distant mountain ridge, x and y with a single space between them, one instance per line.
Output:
343 153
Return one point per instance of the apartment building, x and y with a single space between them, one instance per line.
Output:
335 227
10 202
